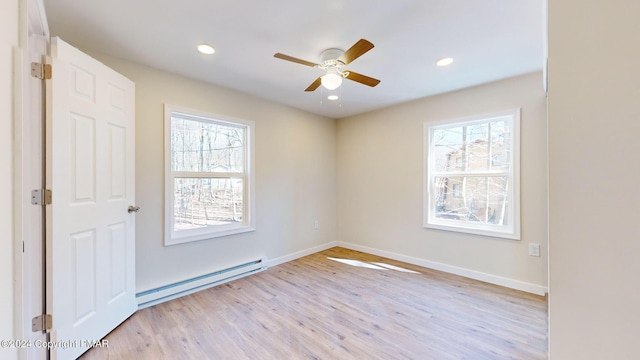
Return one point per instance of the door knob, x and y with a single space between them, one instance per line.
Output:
133 209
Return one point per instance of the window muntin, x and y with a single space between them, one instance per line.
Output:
472 175
208 185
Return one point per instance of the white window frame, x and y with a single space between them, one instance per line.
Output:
172 237
512 231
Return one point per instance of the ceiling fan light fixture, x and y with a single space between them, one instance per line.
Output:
331 81
333 97
206 49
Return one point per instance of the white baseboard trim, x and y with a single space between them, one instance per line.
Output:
150 298
302 253
472 274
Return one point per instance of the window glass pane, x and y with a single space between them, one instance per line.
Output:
474 147
206 147
446 142
206 202
472 199
477 148
501 144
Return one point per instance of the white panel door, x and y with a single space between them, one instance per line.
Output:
90 170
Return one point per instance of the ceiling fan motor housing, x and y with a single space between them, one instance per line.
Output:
329 59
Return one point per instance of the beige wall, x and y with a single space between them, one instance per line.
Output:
295 178
380 174
594 128
8 40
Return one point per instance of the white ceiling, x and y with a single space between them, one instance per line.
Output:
489 39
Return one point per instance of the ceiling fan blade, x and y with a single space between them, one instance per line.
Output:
314 85
295 60
362 79
354 52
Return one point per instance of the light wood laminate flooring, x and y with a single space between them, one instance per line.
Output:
338 304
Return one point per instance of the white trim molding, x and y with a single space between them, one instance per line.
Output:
173 236
468 273
302 253
476 166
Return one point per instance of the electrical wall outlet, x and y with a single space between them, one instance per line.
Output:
315 225
534 249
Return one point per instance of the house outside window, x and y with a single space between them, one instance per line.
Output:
208 176
472 175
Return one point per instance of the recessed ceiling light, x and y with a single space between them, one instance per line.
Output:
332 97
444 61
206 49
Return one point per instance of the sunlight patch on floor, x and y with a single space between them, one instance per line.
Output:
374 265
398 268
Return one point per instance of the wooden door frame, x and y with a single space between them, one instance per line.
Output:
32 22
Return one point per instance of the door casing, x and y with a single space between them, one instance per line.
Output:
29 292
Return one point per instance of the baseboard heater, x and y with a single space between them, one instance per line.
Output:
185 287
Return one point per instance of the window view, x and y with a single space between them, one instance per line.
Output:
208 183
472 175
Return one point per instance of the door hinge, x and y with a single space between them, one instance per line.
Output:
41 197
42 323
41 71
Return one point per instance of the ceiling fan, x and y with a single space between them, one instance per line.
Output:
332 61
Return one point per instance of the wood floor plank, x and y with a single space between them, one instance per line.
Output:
339 304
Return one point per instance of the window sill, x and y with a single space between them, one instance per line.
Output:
207 234
485 230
